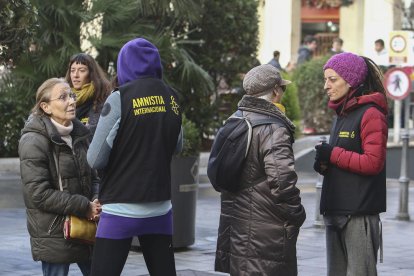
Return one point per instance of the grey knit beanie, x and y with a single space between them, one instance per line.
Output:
261 79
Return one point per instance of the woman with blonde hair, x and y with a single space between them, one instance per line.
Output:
57 180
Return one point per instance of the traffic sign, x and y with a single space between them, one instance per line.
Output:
397 83
398 43
399 46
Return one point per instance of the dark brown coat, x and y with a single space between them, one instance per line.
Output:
260 224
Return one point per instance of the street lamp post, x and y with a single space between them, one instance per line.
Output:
318 217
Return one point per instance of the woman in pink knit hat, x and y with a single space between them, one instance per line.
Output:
353 165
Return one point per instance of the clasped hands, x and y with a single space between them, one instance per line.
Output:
95 209
322 158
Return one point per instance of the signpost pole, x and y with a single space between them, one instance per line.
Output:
404 179
397 121
398 84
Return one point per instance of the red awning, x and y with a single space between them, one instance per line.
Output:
315 15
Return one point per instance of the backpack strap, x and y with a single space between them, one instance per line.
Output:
239 115
258 122
265 121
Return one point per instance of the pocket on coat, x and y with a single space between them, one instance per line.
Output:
291 237
49 225
266 241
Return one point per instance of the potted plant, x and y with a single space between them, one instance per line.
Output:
184 186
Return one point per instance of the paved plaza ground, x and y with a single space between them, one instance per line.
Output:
198 259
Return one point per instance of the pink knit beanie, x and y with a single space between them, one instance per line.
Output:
350 67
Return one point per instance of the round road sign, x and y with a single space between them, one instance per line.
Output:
397 83
398 43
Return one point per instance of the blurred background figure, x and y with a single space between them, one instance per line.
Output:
275 60
337 44
290 66
380 56
305 52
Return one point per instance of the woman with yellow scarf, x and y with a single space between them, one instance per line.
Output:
91 86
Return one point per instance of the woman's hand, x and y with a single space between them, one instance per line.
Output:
95 208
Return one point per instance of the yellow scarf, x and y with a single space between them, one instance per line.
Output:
84 94
281 107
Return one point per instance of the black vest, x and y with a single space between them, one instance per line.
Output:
139 165
344 192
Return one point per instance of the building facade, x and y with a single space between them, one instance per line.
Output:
284 23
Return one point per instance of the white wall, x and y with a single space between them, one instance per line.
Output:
351 26
280 32
378 23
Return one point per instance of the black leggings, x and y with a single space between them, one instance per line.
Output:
109 256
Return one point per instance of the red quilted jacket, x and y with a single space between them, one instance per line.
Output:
374 135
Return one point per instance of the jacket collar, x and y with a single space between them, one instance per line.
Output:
258 105
43 125
356 99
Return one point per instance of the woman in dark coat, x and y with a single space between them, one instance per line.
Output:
53 135
259 224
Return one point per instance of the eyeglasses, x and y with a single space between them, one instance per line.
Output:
65 97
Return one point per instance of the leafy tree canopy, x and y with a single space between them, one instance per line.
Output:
17 26
228 31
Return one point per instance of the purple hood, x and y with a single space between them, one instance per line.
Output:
138 58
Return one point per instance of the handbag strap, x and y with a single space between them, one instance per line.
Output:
58 171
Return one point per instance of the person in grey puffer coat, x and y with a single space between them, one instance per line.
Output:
259 224
52 130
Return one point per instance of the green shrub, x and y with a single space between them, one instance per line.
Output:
290 100
192 140
313 102
15 105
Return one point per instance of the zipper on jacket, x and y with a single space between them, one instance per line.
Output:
52 224
77 165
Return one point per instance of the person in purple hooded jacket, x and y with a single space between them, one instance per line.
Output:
138 132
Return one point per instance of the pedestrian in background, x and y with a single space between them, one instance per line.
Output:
54 143
137 134
337 44
259 224
91 86
380 56
275 61
306 51
353 165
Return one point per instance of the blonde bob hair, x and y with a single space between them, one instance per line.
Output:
43 94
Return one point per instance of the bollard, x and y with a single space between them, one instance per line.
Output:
404 180
318 217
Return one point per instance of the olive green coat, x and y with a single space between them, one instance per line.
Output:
46 204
